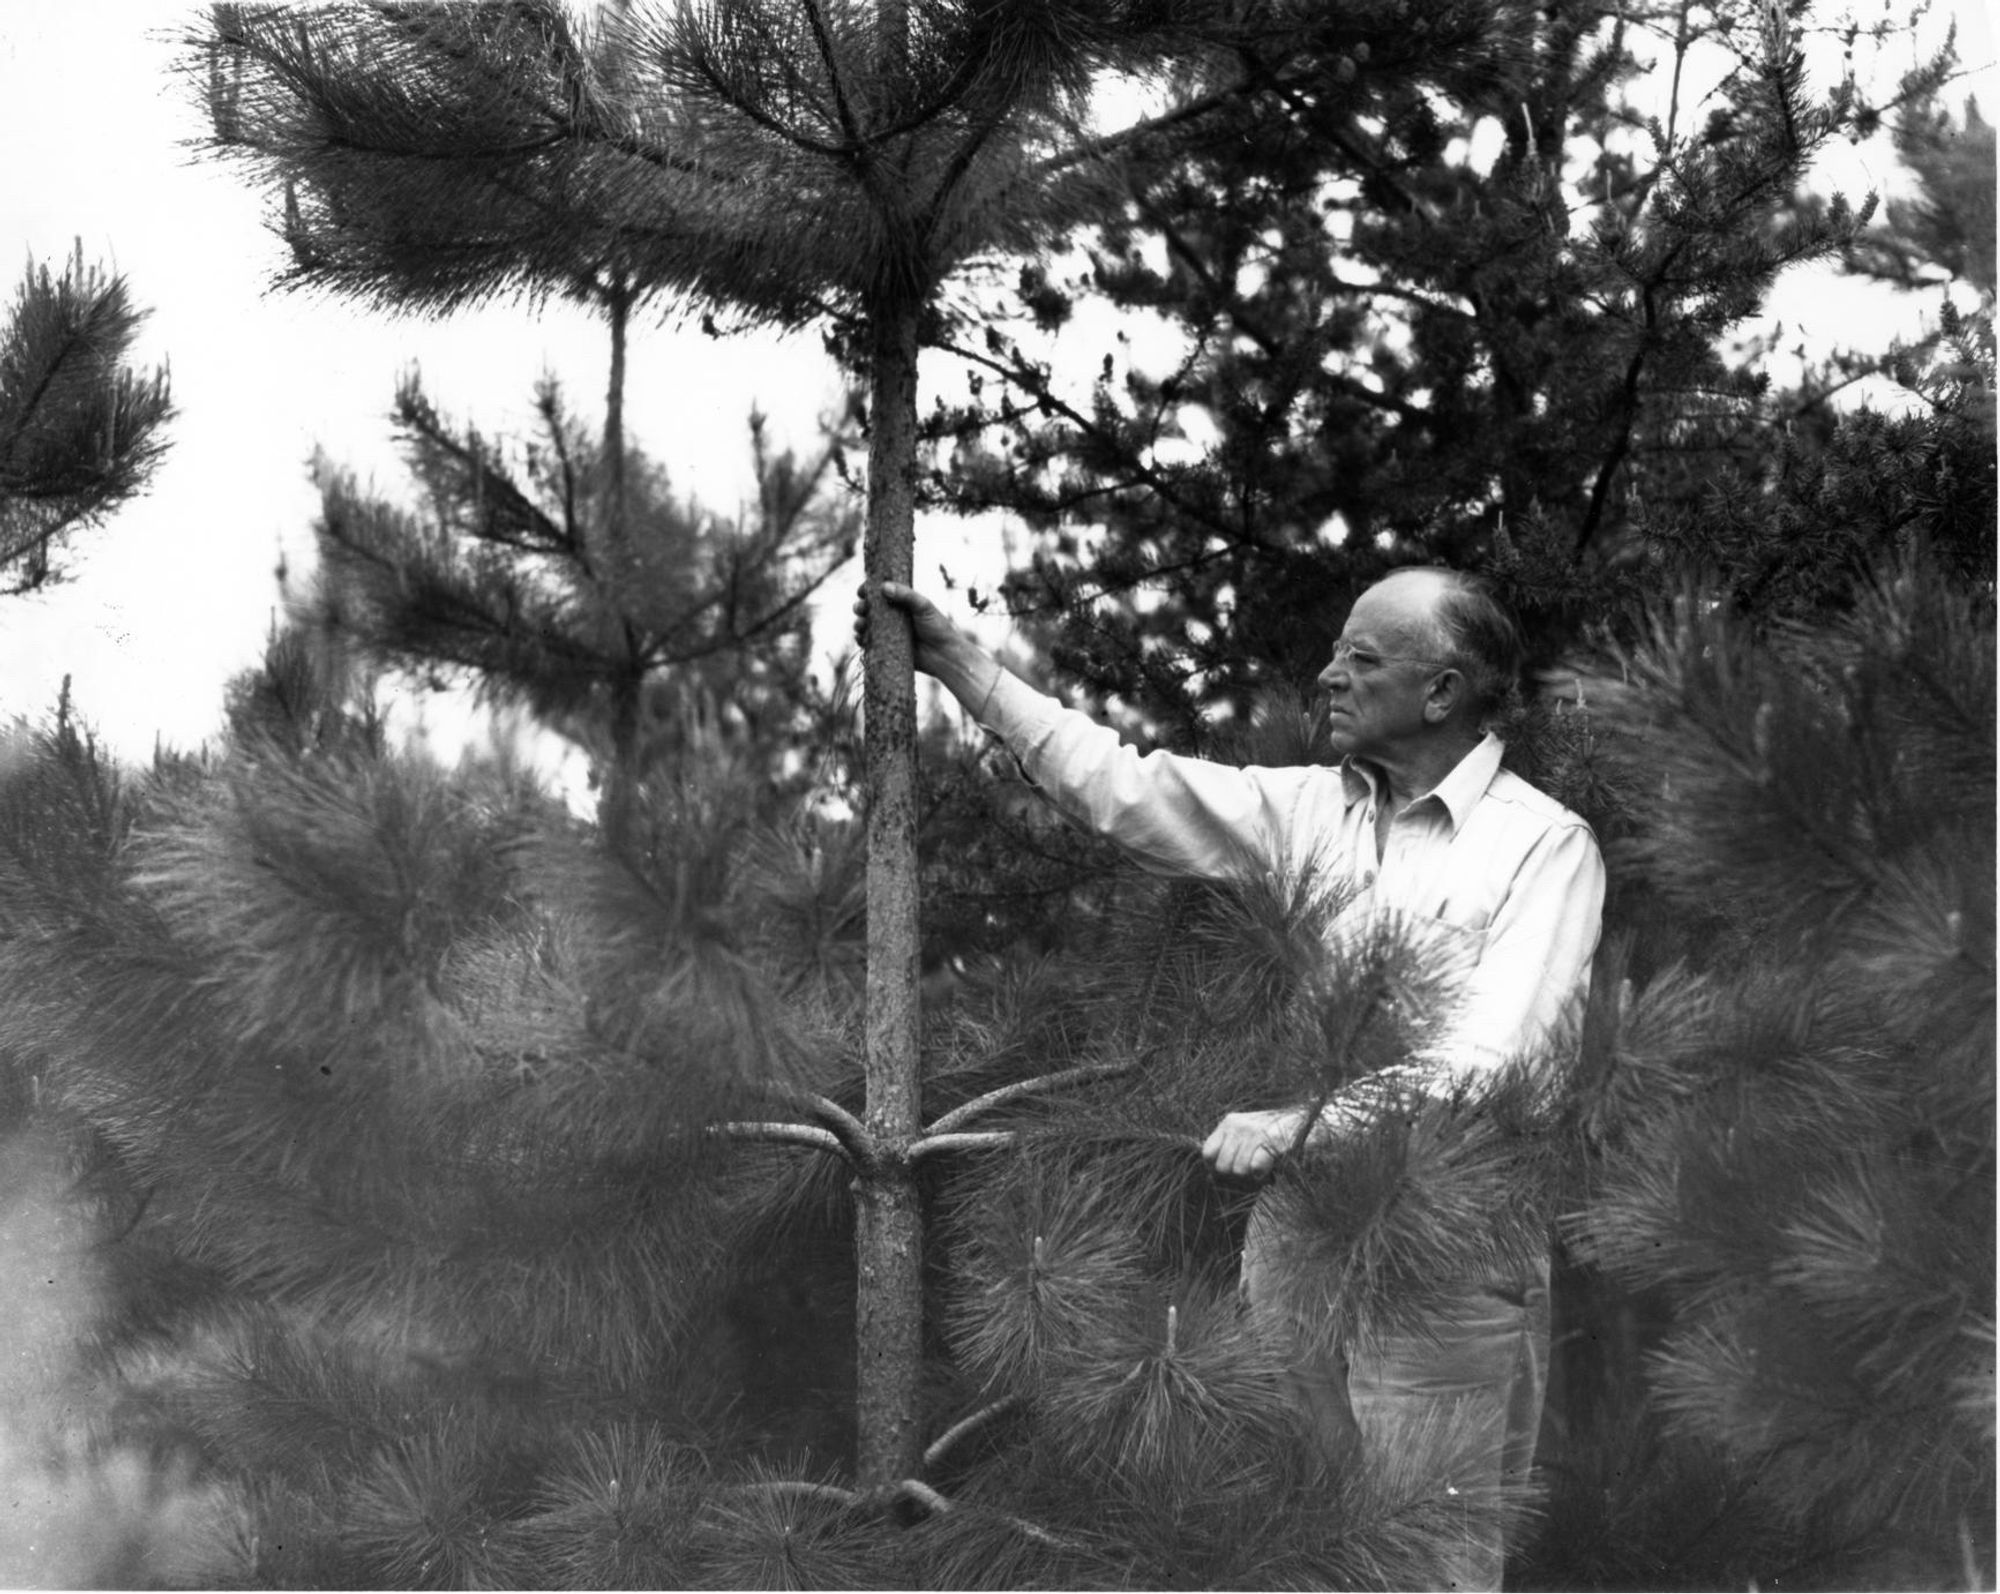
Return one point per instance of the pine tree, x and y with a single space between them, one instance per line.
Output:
433 155
438 154
96 1507
629 627
1794 1124
79 428
1839 488
1377 352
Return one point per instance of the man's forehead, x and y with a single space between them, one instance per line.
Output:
1402 600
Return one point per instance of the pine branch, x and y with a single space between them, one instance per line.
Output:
951 94
937 1504
958 166
966 1426
801 1489
480 471
1048 403
773 1532
1007 1094
842 1124
758 117
558 435
1628 411
1099 148
28 536
932 1145
786 1134
823 42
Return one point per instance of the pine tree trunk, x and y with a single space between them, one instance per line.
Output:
618 803
888 1222
618 303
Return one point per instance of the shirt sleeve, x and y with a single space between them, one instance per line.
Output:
1528 987
1175 814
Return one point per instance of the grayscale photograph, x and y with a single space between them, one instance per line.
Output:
997 794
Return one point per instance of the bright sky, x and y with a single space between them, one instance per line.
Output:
176 593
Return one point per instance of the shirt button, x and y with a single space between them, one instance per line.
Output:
1368 879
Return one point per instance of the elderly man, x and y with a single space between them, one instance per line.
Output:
1420 822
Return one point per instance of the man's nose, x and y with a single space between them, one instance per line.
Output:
1334 672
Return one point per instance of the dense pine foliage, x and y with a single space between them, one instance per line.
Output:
421 1139
1792 1125
1493 313
447 1174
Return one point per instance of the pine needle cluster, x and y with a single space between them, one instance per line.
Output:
80 430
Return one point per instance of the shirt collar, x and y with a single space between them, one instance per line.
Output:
1459 791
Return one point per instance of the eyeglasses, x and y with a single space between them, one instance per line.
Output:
1346 653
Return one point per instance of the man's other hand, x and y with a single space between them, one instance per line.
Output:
1247 1145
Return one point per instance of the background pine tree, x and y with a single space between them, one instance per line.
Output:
1837 488
631 630
1377 352
1946 227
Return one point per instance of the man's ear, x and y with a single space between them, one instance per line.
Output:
1447 692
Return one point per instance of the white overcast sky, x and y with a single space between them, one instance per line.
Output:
176 593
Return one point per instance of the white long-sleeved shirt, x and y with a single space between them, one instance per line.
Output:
1502 880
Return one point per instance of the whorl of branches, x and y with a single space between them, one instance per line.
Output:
434 155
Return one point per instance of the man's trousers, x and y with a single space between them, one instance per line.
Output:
1476 1373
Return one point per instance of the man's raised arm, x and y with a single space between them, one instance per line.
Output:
1176 815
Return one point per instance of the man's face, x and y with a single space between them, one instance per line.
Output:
1382 669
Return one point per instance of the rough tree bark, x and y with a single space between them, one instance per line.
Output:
889 1233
